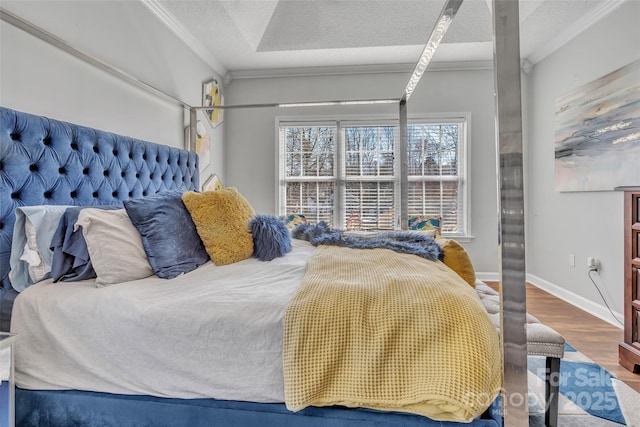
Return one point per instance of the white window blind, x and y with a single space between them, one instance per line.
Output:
347 174
436 173
309 172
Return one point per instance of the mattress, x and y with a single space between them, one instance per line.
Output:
215 332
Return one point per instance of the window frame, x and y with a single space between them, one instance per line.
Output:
340 122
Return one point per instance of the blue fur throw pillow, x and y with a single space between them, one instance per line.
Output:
271 238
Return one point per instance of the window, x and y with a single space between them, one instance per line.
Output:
347 173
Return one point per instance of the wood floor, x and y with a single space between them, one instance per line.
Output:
596 338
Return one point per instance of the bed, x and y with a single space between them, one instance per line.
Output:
201 344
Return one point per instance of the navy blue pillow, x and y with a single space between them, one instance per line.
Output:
271 238
169 236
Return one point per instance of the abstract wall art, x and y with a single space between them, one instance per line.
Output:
212 96
597 139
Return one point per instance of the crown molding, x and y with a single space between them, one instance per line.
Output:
356 69
599 12
185 35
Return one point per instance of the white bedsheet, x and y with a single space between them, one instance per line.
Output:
215 332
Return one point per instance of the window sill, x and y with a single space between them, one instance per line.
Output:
459 239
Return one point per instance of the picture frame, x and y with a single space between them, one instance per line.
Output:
212 96
212 183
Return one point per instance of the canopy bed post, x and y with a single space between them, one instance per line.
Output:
46 36
511 209
404 179
193 122
443 22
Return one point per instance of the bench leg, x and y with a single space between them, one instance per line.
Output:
552 392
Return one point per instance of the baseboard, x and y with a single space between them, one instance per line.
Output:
597 310
600 311
488 277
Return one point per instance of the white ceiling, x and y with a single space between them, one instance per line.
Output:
250 38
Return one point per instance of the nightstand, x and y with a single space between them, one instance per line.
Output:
7 377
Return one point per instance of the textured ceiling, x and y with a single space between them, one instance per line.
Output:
261 35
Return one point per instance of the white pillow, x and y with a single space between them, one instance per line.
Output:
37 268
44 220
115 246
5 363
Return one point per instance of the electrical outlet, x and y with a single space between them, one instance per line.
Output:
593 264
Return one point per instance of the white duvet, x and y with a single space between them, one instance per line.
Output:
215 332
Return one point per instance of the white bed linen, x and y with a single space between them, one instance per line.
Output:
214 332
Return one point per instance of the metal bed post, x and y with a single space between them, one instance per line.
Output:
41 34
440 28
404 180
511 241
193 123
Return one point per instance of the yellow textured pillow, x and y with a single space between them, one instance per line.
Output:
457 259
222 221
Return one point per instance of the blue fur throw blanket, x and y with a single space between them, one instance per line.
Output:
399 241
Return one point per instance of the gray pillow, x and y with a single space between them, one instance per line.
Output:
114 245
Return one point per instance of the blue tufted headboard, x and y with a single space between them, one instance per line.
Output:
49 162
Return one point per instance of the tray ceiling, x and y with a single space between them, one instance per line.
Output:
264 37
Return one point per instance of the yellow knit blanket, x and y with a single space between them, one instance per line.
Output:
377 329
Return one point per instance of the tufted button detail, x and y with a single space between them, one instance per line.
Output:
1 225
74 146
115 152
151 176
47 141
137 175
85 171
130 193
94 194
62 170
47 194
33 167
73 194
144 156
157 159
15 195
95 149
131 155
15 136
144 193
122 174
114 194
105 173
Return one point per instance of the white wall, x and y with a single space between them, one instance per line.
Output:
251 135
581 223
38 78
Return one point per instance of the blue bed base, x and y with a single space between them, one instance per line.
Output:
45 161
72 408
